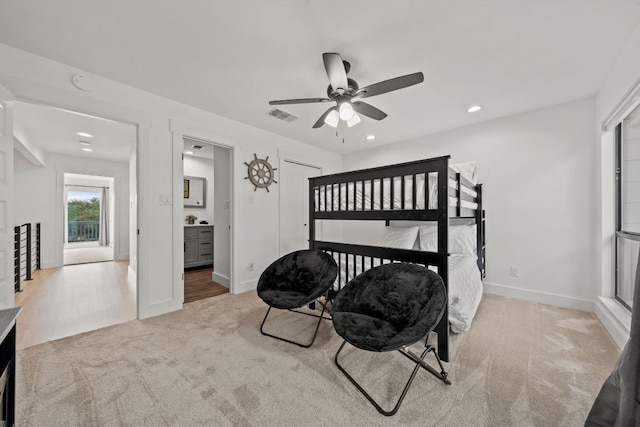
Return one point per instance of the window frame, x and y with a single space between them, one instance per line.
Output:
619 200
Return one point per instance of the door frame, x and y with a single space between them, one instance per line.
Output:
7 295
181 130
36 94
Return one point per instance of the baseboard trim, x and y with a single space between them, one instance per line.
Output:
221 279
246 286
49 264
615 319
541 297
121 257
159 308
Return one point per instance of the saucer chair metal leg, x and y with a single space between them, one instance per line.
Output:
315 333
442 375
368 396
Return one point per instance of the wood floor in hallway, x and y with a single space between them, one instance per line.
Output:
61 302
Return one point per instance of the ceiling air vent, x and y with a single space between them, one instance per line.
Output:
282 115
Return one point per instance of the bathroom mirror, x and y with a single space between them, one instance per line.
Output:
195 190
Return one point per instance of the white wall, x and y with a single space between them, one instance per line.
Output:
201 168
162 126
537 174
39 197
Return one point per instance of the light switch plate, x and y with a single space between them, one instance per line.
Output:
165 199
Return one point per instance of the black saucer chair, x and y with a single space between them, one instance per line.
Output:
295 280
391 307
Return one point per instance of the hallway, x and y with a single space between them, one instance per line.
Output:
60 302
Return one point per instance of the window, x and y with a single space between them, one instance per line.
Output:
627 206
83 216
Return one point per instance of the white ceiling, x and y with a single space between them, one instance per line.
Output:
55 131
231 57
206 152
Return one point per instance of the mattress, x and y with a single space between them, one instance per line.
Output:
465 285
357 195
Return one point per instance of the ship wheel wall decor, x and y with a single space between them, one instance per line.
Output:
260 173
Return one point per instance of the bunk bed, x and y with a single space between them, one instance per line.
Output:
430 192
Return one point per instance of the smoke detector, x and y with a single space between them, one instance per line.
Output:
83 82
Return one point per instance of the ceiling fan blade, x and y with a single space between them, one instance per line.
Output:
368 110
298 101
335 71
320 121
390 85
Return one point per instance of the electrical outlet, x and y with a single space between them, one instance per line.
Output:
514 271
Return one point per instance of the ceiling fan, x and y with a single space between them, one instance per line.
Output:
347 94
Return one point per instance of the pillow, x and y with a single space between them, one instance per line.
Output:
468 170
399 237
462 239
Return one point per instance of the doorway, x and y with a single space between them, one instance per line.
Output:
80 169
207 219
89 207
294 191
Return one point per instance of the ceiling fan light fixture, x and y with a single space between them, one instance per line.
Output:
347 94
332 118
346 111
354 120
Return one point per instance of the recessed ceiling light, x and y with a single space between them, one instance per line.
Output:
85 143
188 152
474 108
84 134
371 137
87 149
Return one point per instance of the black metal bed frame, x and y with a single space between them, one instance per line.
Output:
330 186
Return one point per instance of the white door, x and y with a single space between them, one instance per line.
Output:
294 205
6 196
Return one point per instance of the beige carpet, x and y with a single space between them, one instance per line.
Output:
521 364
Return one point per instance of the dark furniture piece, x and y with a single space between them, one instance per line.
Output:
8 365
26 253
388 308
335 197
198 245
295 280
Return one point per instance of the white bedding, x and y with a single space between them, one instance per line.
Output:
465 286
465 291
337 195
